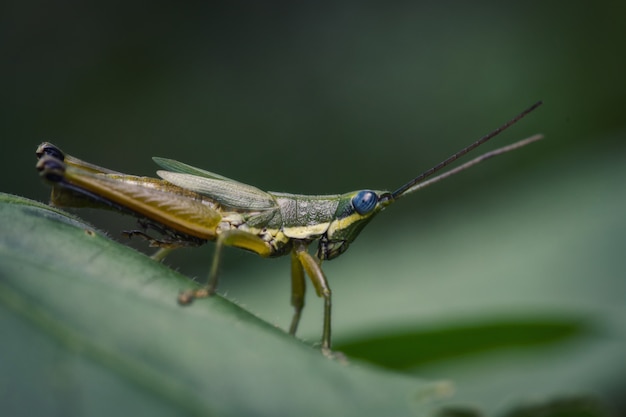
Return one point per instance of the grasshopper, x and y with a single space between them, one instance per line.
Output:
189 206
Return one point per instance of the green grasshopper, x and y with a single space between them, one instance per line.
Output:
189 206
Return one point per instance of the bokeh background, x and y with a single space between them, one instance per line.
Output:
327 97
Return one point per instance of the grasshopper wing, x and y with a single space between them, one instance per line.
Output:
182 168
227 192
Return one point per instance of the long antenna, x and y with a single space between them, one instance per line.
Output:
474 161
413 184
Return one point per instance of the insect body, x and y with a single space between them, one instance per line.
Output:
189 206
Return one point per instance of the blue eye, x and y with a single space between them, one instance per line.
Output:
364 201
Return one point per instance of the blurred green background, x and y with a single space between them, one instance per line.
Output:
328 97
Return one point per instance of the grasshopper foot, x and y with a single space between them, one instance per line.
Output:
187 297
335 355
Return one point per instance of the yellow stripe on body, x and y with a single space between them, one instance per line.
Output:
344 223
306 232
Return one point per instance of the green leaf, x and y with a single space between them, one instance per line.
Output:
91 327
408 348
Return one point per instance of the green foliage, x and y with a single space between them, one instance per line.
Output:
92 327
409 348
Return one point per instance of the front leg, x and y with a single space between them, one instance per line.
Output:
313 269
298 290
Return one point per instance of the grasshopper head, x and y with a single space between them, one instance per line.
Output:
354 211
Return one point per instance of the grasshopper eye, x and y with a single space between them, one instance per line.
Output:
364 201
